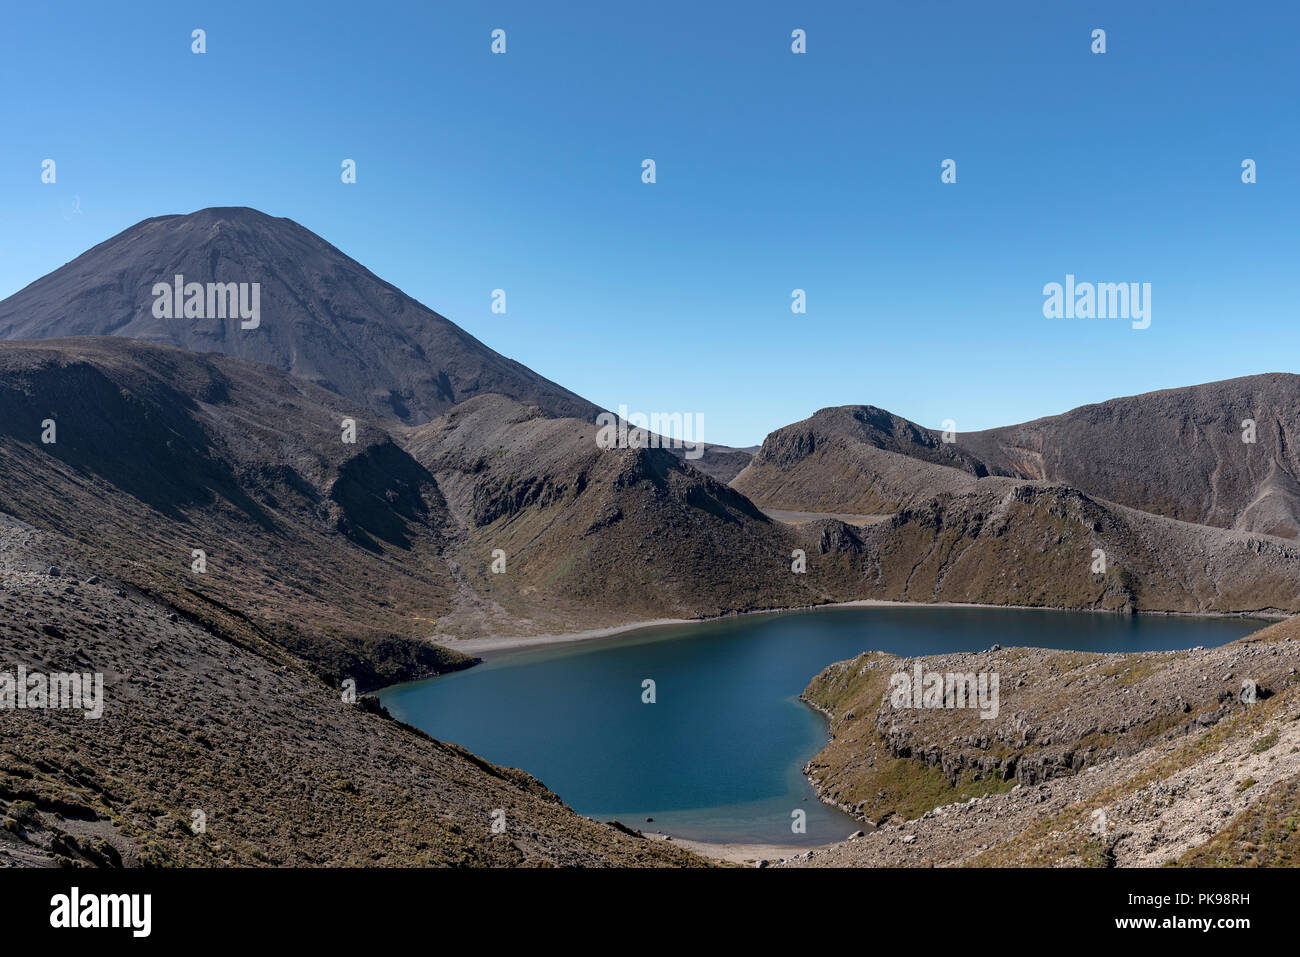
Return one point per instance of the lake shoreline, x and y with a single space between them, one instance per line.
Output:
733 746
497 644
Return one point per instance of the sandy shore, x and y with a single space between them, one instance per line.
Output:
478 646
744 854
499 643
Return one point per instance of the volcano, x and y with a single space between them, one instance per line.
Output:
324 317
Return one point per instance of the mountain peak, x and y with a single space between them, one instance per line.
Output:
322 315
233 213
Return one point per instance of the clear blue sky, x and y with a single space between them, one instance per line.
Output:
775 171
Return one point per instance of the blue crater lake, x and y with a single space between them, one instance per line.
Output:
718 756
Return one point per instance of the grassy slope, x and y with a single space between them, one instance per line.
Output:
1160 743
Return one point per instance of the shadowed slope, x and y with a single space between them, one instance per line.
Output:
160 452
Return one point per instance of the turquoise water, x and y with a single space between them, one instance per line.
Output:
718 756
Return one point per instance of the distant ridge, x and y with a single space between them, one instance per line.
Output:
1179 453
1176 452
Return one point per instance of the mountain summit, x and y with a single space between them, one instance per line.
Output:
323 316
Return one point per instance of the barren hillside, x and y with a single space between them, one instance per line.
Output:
221 722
